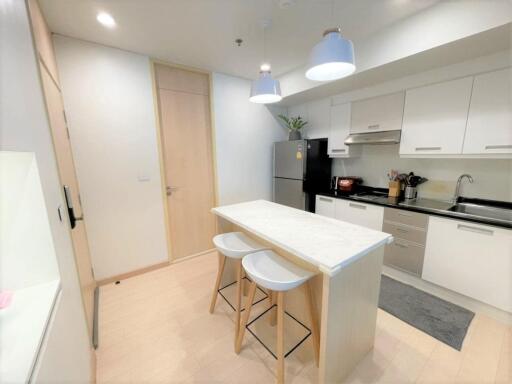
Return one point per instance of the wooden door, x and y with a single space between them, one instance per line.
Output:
64 155
184 107
68 177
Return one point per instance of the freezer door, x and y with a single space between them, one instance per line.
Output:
289 159
289 192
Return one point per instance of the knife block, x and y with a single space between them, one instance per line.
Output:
394 189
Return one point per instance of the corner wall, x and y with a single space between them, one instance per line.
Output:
66 354
244 137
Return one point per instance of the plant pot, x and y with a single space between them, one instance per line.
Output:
294 135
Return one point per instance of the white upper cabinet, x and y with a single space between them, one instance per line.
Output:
435 118
381 113
319 123
340 129
489 128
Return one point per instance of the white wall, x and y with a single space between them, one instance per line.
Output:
245 133
65 355
109 104
27 253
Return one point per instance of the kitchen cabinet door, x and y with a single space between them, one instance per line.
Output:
435 118
339 130
381 113
319 122
366 215
489 128
325 206
472 259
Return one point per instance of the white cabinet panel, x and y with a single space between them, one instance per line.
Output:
489 128
325 206
381 113
366 215
472 259
319 122
435 118
339 130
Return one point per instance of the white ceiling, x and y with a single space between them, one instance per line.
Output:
201 33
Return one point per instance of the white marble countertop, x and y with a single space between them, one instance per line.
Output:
327 243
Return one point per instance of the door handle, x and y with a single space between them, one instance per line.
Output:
168 190
71 211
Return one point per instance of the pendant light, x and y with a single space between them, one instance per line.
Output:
333 57
265 90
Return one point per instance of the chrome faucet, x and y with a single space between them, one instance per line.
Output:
457 188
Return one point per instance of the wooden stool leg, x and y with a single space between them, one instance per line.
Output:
280 337
245 319
272 318
313 320
222 262
238 298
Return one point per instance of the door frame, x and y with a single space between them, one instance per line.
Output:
161 159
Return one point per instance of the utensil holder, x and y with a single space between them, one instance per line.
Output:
410 192
394 189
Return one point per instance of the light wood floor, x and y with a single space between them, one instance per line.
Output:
155 328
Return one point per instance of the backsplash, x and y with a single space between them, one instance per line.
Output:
492 177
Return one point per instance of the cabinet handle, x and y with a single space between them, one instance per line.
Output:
338 150
401 245
498 147
404 214
470 228
359 206
374 126
427 148
401 229
325 199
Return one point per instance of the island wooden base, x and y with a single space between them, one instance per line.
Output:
346 306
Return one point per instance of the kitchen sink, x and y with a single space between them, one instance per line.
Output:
485 211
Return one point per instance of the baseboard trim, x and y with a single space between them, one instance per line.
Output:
137 272
176 261
448 295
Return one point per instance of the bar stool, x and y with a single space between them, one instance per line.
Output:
234 245
275 273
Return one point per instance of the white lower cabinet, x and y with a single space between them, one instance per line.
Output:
366 215
472 259
325 206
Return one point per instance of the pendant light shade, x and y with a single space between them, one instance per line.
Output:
265 89
332 58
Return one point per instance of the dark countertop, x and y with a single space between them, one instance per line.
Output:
435 207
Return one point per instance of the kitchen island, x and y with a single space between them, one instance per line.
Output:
348 259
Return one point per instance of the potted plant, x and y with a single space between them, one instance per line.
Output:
294 125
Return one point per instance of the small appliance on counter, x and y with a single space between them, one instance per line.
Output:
345 184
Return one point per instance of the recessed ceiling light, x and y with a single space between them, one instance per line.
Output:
106 20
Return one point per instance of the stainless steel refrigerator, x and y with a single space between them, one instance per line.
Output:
302 168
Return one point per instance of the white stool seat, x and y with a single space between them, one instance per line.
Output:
236 244
274 272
